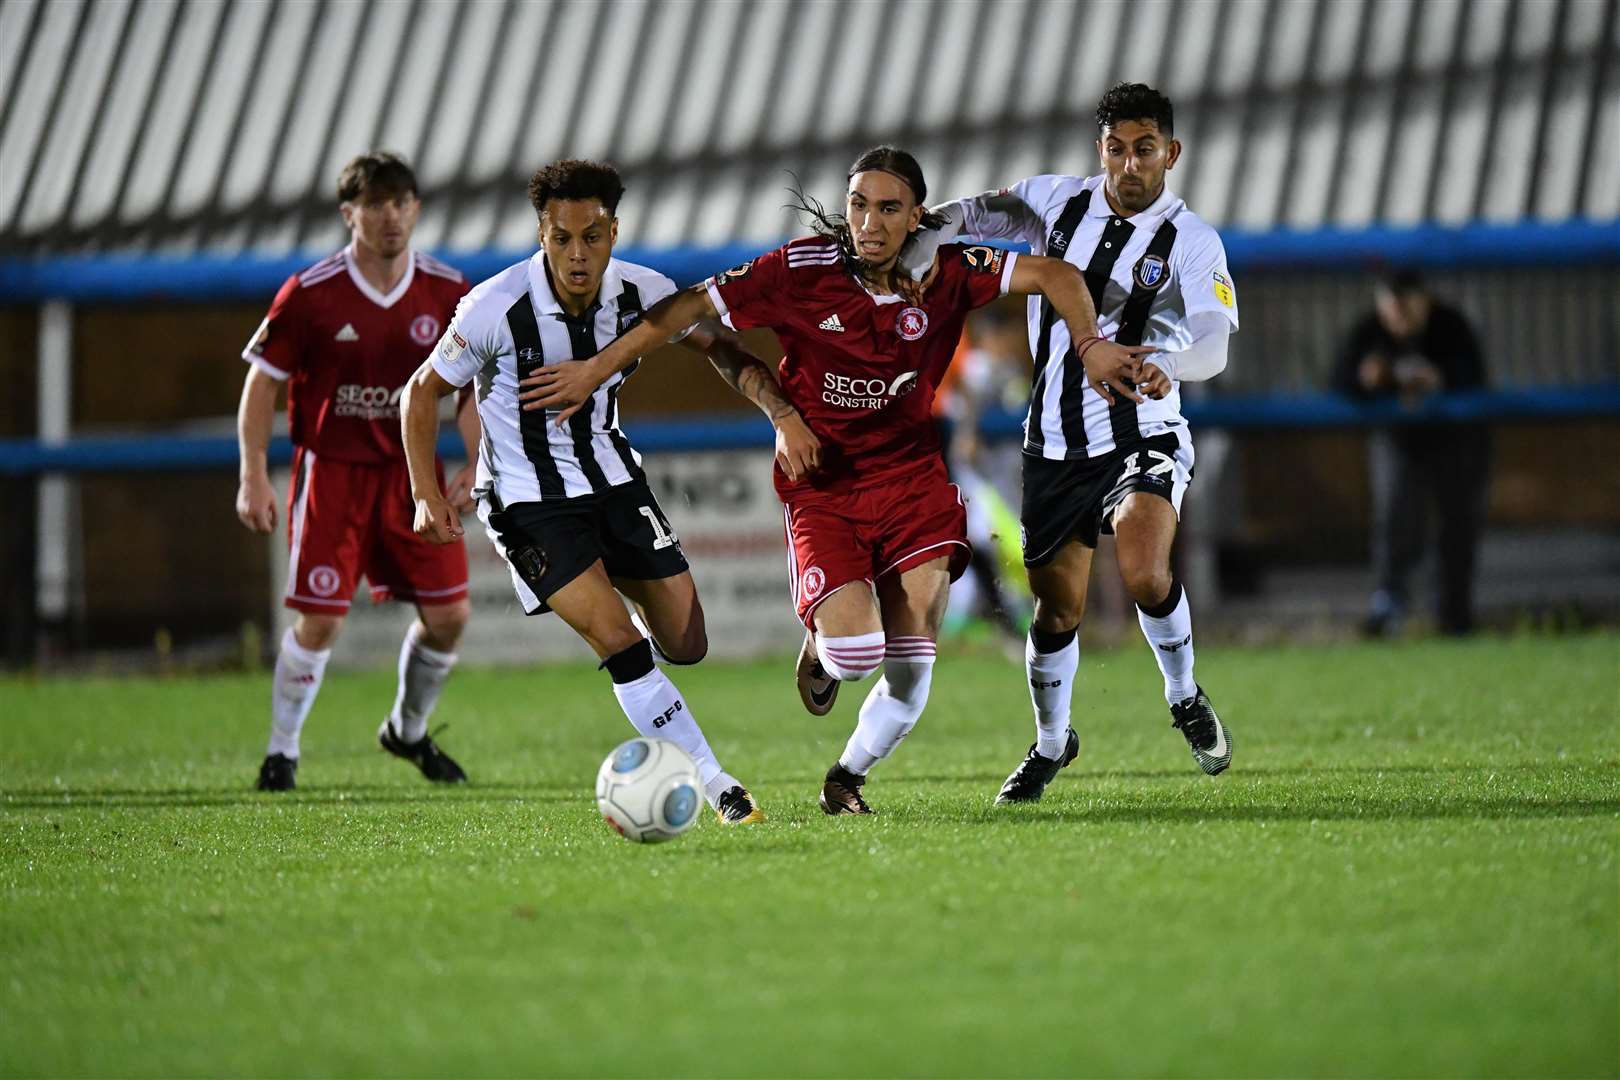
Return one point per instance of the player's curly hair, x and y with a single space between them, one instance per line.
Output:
381 172
576 179
1134 101
835 227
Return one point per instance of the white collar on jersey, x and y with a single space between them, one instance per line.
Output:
877 298
546 302
368 290
1166 204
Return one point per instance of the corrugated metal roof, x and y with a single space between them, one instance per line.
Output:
186 125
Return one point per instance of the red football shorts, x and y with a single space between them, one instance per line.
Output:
345 520
861 535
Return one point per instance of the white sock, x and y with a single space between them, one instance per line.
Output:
292 691
1171 638
656 709
893 705
422 674
1051 689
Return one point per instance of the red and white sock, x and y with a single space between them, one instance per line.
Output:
850 659
892 707
292 692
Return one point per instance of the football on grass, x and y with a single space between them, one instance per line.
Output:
649 790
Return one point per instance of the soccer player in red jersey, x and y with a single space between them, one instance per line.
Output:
345 335
877 532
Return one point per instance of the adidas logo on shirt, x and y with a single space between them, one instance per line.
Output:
831 323
347 333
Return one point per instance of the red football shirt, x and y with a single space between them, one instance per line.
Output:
860 368
347 351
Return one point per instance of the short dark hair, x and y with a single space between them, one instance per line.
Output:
1134 101
380 171
575 179
1401 281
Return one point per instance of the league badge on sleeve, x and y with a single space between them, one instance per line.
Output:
986 260
1149 272
260 337
452 345
1223 289
740 270
912 323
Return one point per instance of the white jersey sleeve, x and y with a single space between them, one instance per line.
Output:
472 338
1205 358
1200 265
1020 212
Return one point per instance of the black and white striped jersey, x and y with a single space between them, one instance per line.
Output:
1147 273
508 326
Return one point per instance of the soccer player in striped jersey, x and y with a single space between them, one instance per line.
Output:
877 532
1101 456
567 503
343 335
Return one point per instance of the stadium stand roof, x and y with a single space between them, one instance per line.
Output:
198 126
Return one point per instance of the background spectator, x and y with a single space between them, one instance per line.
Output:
1409 348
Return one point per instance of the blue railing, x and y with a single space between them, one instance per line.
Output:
146 453
124 278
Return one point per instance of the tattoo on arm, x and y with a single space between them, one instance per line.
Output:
749 376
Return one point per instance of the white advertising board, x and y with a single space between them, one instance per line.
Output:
729 521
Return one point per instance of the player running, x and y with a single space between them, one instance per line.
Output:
877 532
1099 457
567 503
344 335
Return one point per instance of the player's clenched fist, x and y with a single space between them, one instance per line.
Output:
1112 368
256 504
437 520
1154 383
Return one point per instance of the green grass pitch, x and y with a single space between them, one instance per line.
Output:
1410 870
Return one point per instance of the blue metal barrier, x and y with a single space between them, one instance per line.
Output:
148 453
205 278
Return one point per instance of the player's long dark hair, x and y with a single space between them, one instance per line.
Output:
835 227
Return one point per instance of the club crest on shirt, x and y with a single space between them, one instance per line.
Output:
1149 272
911 323
629 318
813 582
425 330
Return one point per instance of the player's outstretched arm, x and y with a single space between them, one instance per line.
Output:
255 495
569 385
995 215
436 519
1110 368
798 451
